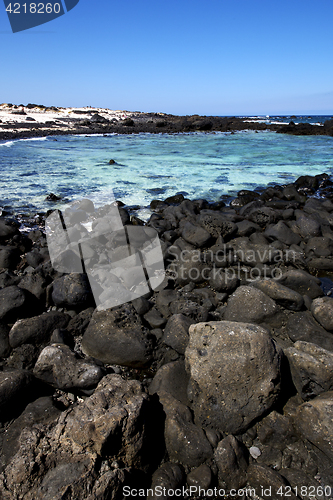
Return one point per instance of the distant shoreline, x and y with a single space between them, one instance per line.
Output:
19 122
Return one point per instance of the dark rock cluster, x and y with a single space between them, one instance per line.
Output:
221 378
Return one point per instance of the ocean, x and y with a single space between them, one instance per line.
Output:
150 166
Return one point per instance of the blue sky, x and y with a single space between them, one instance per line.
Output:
221 57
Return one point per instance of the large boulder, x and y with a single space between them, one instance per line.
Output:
117 336
235 374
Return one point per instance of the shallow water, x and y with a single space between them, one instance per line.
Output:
150 166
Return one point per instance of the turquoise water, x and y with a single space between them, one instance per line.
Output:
150 166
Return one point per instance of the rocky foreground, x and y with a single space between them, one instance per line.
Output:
33 120
222 379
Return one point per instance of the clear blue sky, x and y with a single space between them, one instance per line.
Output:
219 57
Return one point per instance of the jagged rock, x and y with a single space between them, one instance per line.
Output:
235 374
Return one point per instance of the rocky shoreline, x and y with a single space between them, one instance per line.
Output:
222 379
18 122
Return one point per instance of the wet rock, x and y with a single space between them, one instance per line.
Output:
60 367
117 336
36 330
282 295
17 303
171 378
322 310
52 197
186 443
72 291
311 369
176 332
15 387
246 364
231 459
314 420
167 477
249 305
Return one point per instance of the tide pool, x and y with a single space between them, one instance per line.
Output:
149 166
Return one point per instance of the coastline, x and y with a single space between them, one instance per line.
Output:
20 122
242 300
